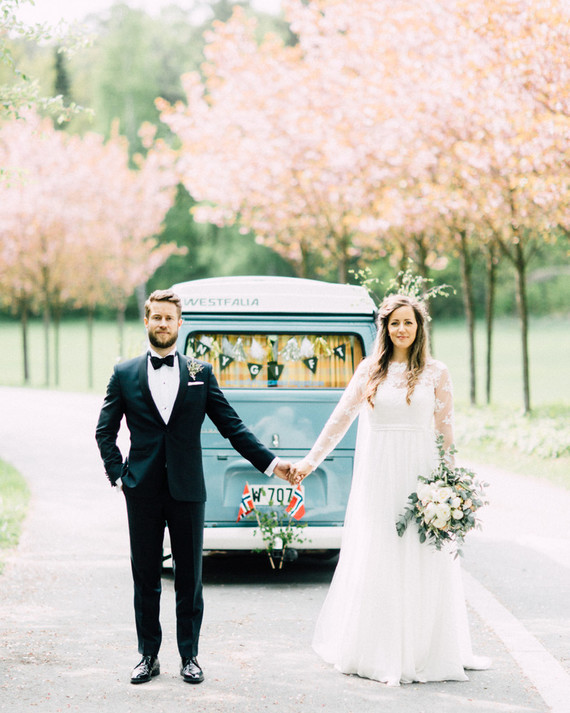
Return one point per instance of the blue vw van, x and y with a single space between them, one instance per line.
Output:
282 349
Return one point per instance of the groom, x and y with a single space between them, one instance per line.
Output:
164 397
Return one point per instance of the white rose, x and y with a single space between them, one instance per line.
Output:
443 512
456 502
430 512
425 493
457 514
439 523
444 494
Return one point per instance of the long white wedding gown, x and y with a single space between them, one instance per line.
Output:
395 611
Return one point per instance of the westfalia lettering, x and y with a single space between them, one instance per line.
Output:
221 302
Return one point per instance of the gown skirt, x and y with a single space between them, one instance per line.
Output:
395 611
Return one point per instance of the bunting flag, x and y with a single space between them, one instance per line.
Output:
296 507
274 370
201 349
254 369
246 506
311 364
225 361
340 351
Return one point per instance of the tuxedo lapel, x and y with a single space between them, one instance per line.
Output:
143 383
182 386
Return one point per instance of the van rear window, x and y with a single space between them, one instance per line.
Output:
291 361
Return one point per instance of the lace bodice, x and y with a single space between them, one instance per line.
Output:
431 406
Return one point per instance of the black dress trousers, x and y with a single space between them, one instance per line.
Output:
147 519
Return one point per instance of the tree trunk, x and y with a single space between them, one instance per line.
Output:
404 262
24 314
141 295
47 321
422 253
520 266
56 350
121 329
466 269
489 314
343 260
90 378
304 268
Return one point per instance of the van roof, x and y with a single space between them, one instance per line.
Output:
273 295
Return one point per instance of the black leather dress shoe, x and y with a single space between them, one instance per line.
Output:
190 670
145 670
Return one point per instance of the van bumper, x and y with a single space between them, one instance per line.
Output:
249 538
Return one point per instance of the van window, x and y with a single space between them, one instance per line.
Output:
292 361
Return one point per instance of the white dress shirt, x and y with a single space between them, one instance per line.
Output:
163 384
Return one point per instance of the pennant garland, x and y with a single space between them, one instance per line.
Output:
256 351
201 348
246 506
340 351
308 352
274 371
225 361
296 507
321 347
239 351
254 369
311 363
291 351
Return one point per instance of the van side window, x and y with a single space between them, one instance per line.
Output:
291 361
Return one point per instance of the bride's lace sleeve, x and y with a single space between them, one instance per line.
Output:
343 415
443 412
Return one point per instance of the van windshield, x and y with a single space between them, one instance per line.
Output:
291 361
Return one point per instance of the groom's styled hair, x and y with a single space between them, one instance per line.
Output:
163 296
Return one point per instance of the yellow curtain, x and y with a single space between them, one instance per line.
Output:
243 360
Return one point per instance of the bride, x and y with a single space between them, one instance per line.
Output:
395 611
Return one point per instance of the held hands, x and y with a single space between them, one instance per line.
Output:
299 471
293 472
283 470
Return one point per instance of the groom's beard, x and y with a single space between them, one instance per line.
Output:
162 340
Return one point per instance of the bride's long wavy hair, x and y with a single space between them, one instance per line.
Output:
384 348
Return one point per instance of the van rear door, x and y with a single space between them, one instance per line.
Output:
284 378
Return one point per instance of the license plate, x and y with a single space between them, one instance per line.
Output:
264 494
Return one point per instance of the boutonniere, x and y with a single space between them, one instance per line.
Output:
194 368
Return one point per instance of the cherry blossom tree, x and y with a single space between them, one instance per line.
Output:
77 223
416 126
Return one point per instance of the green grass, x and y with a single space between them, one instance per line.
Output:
549 348
536 445
73 353
14 498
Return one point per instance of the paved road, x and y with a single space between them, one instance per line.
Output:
66 625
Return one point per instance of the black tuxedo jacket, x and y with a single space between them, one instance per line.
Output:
156 445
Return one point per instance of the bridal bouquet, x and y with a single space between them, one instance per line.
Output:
445 503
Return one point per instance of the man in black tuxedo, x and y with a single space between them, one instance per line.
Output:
164 397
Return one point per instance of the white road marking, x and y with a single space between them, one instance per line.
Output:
538 665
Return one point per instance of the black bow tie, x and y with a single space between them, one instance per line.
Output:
157 362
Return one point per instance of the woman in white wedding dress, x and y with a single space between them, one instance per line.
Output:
395 611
